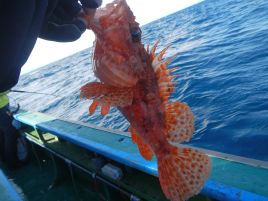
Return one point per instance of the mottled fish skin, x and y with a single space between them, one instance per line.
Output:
136 81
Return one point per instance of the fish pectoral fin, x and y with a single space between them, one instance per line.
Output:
92 90
144 148
93 107
106 96
104 108
179 122
182 172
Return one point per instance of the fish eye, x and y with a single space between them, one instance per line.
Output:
136 34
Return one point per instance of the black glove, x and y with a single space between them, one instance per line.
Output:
62 23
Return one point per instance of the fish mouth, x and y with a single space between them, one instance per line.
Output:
112 13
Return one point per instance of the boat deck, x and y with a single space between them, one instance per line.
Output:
232 177
8 191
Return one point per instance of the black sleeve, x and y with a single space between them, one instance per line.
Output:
20 26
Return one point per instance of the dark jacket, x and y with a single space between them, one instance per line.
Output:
22 22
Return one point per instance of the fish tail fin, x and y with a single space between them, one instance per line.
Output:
105 96
182 172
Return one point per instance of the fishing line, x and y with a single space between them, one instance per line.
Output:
17 108
33 92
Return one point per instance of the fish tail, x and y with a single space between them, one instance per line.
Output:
182 172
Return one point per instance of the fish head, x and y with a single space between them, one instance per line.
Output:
119 56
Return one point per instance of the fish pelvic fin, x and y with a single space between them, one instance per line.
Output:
145 149
182 172
179 122
106 96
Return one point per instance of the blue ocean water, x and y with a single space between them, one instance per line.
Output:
222 59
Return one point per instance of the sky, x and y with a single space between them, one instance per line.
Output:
145 11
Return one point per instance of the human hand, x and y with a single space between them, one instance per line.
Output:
63 25
87 14
90 12
69 20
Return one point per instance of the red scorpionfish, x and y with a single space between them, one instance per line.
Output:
138 83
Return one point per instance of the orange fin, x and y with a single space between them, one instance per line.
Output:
145 149
133 135
92 90
183 172
93 107
179 118
105 109
106 96
152 52
164 79
159 57
179 122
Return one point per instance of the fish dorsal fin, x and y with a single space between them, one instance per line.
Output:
179 122
145 149
152 52
164 79
106 96
179 118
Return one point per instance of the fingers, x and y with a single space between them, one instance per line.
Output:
87 15
64 32
90 11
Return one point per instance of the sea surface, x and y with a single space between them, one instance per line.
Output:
222 59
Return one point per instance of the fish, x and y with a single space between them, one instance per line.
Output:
137 81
